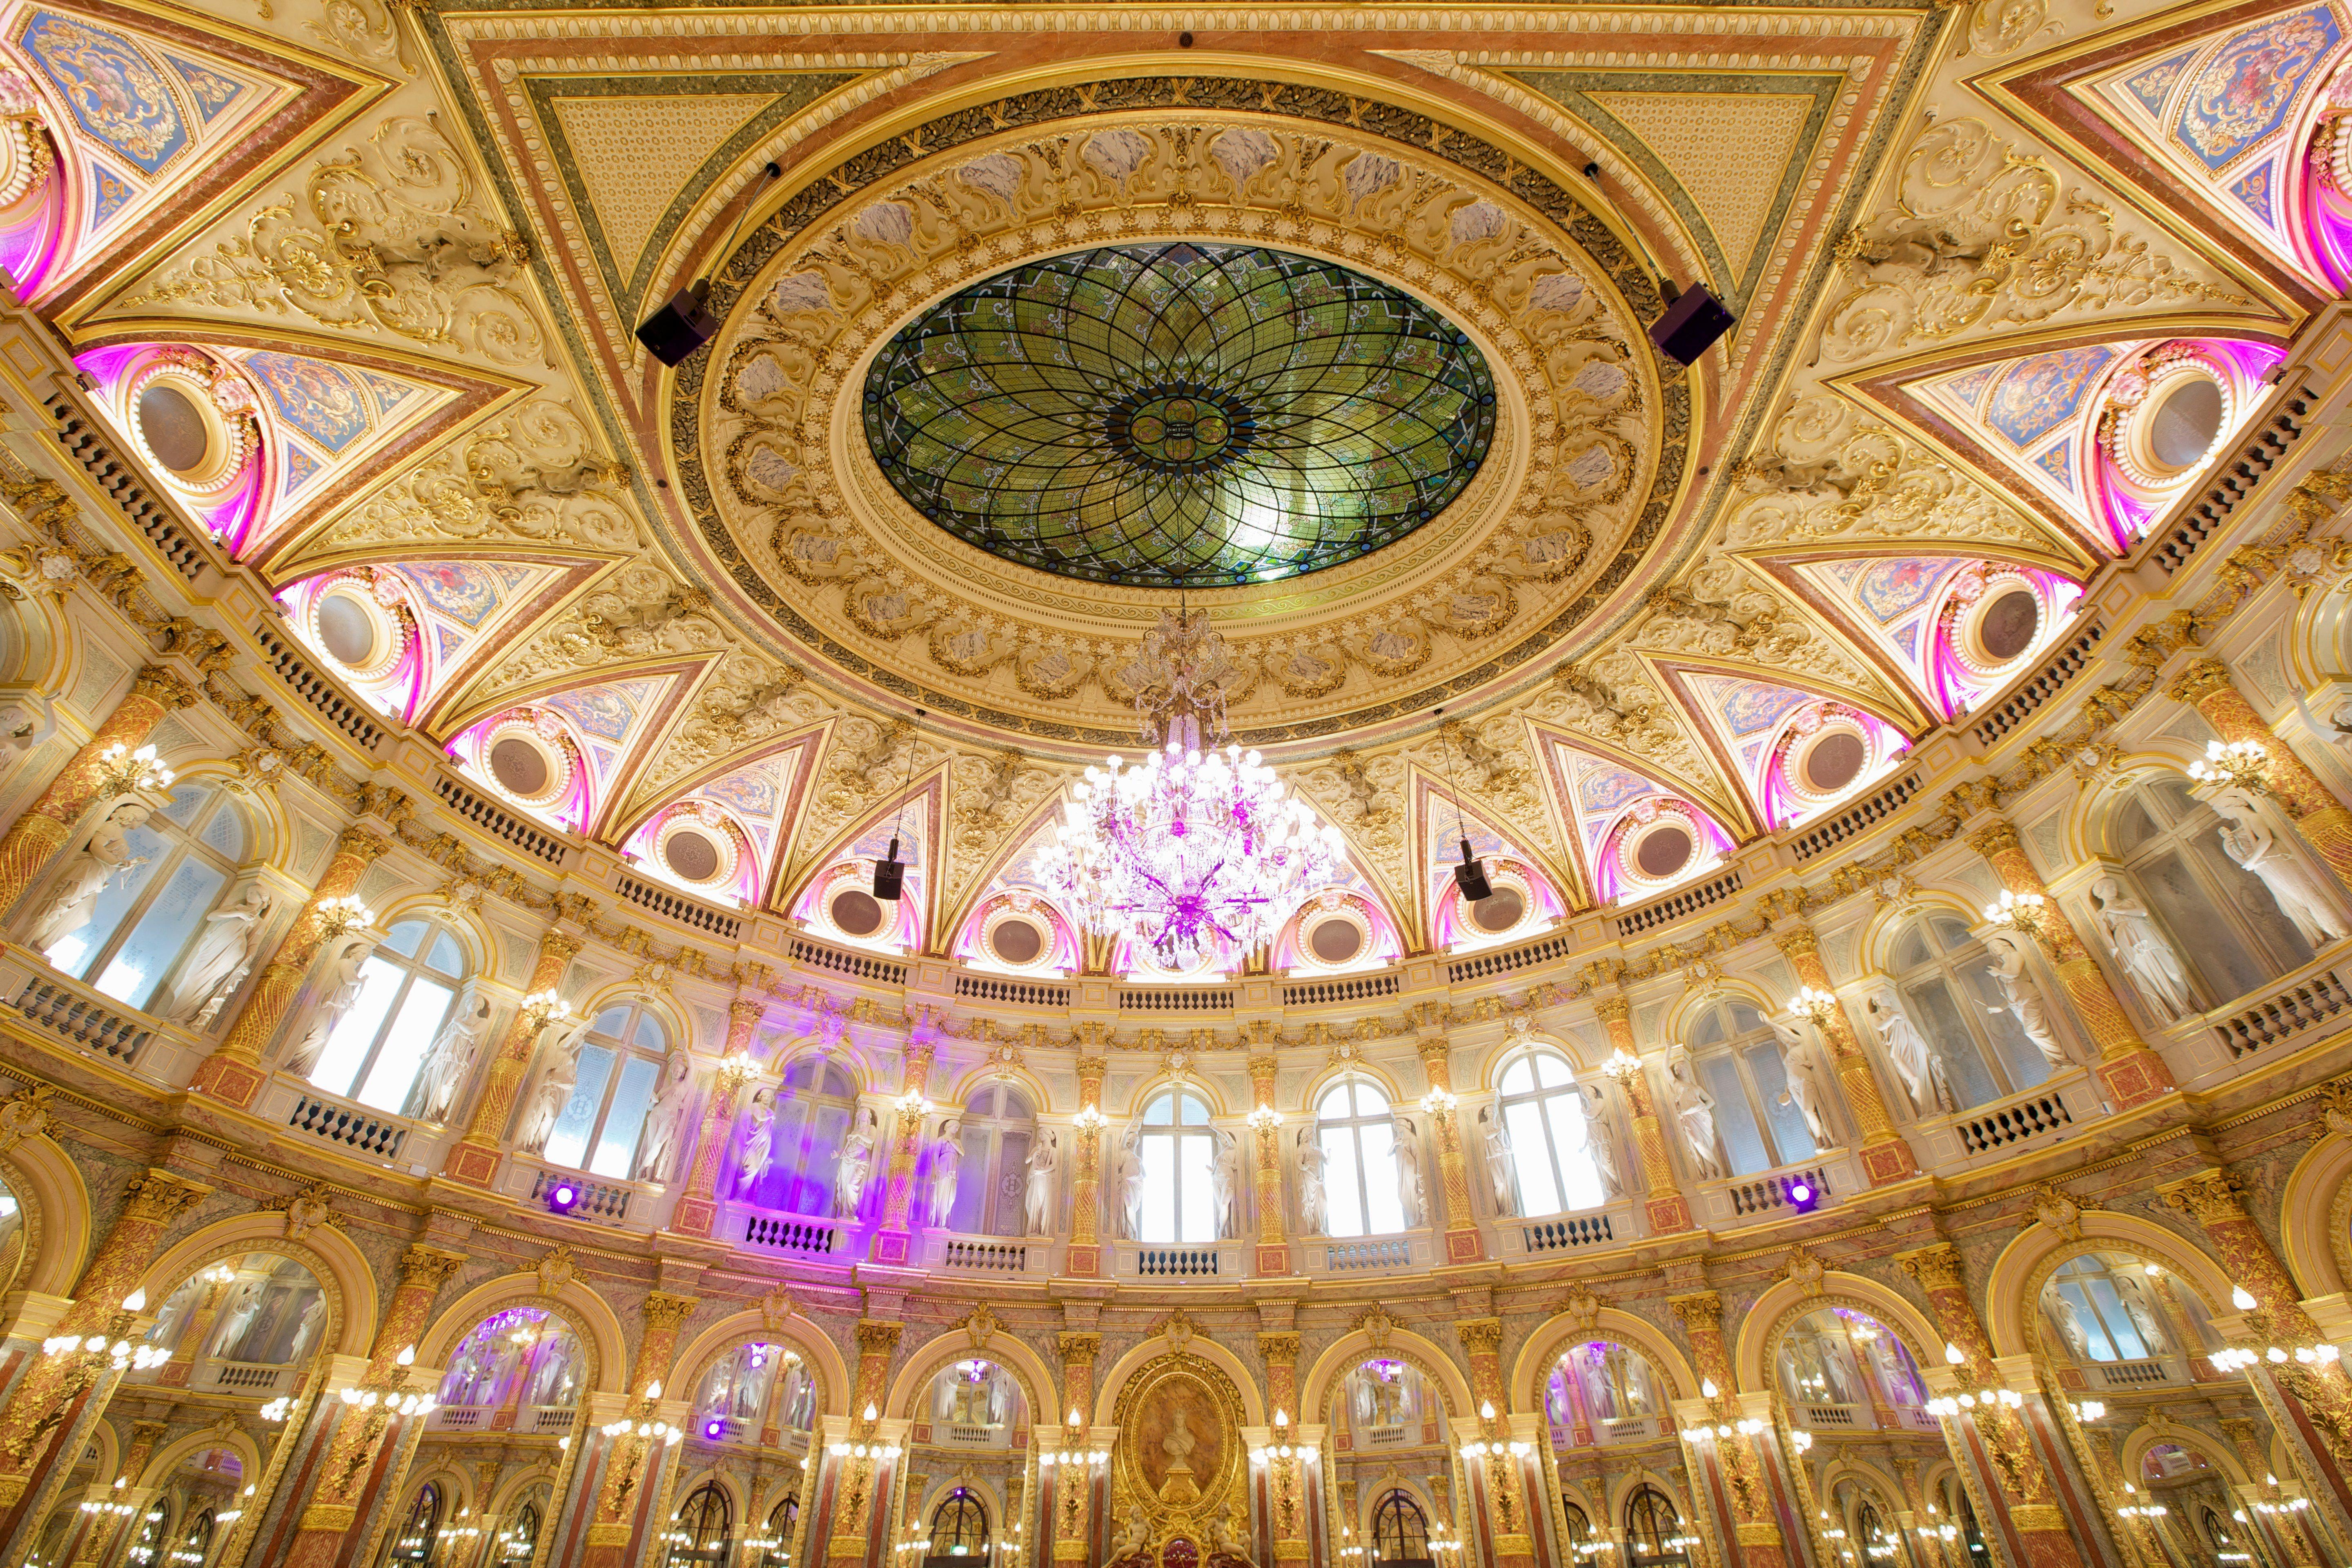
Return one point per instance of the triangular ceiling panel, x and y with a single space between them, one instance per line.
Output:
2024 414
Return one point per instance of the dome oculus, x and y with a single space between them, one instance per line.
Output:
1180 416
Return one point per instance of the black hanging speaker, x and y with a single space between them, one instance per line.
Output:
680 327
889 875
1471 877
1694 320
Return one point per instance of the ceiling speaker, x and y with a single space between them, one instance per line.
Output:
889 875
680 327
1471 876
1694 320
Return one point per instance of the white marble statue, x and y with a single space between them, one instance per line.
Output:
1314 1202
337 991
2299 891
2025 1003
760 1139
658 1144
237 1315
449 1058
1130 1182
947 1163
1693 1113
1800 1069
307 1329
1411 1196
1914 1065
1494 1145
2155 971
223 957
2143 1317
103 855
2070 1323
1225 1181
1600 1141
1037 1199
559 1049
857 1166
552 1379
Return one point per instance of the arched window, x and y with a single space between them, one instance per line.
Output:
155 1530
518 1541
1948 992
195 1540
1177 1151
405 989
776 1542
1972 1537
702 1530
814 1109
620 1063
2221 919
741 1388
420 1533
143 919
1543 1110
1400 1529
2106 1310
1738 1059
992 1177
1612 1387
1877 1544
1580 1543
1653 1530
1358 1134
959 1526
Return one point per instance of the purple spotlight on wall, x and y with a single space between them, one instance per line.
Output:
1801 1193
714 1430
562 1196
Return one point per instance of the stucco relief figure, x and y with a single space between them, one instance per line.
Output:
2023 995
2155 969
557 1080
1130 1182
306 1330
104 855
2070 1323
1494 1145
338 992
760 1139
1225 1182
2297 889
224 956
1921 1074
1800 1069
1135 1534
665 1120
237 1315
1314 1202
1037 1200
1693 1113
856 1167
448 1058
1411 1196
947 1163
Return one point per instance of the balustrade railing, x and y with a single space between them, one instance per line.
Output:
808 1236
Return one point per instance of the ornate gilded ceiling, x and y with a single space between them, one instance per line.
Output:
1971 248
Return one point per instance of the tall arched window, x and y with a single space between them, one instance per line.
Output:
1943 973
1400 1529
959 1526
155 1530
1177 1151
519 1540
620 1063
1653 1530
195 1542
814 1109
702 1530
145 918
1543 1111
1580 1545
2105 1309
1738 1059
992 1177
2222 921
776 1549
405 989
413 1543
1355 1127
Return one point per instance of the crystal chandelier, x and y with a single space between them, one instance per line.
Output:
1200 844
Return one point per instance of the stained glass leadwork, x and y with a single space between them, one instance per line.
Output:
1179 415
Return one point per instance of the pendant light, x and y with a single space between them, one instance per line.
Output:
1471 875
889 875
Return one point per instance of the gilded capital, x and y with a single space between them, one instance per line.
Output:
877 1338
160 1197
1699 1312
2201 680
168 686
665 1311
557 945
1797 940
1612 1009
746 1009
1092 1067
1279 1349
1079 1349
1994 838
1481 1336
1262 1071
1434 1048
363 843
2209 1197
429 1268
1936 1268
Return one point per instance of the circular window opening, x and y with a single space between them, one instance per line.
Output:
520 767
346 630
856 911
174 428
1835 761
691 855
1664 852
1336 942
1015 941
1498 910
2186 423
2008 623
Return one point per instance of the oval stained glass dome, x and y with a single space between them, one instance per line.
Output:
1179 415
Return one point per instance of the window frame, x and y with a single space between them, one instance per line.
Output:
637 1012
1645 1542
1350 1128
695 1551
1956 967
811 1167
427 1503
967 1504
1396 1503
1002 1213
1179 1133
182 843
412 967
783 1519
518 1553
1740 1046
2190 836
1538 1094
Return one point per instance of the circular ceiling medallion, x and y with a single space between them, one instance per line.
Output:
520 766
2186 423
856 911
1183 415
2006 626
691 855
1832 762
346 630
1016 941
1662 851
174 428
1336 940
1499 910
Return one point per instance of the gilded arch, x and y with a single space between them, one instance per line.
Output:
1321 1384
1787 1300
817 1353
1543 1348
339 1267
581 1309
2013 1289
958 1344
1112 1388
54 1202
165 1460
2315 1218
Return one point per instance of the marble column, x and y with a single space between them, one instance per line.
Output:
625 1518
232 1072
1465 1242
474 1160
1272 1242
1756 1539
861 1515
697 1211
1287 1479
1992 1444
1073 1520
894 1238
2322 819
1885 1155
37 836
1083 1258
1665 1205
2129 1071
1510 1517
